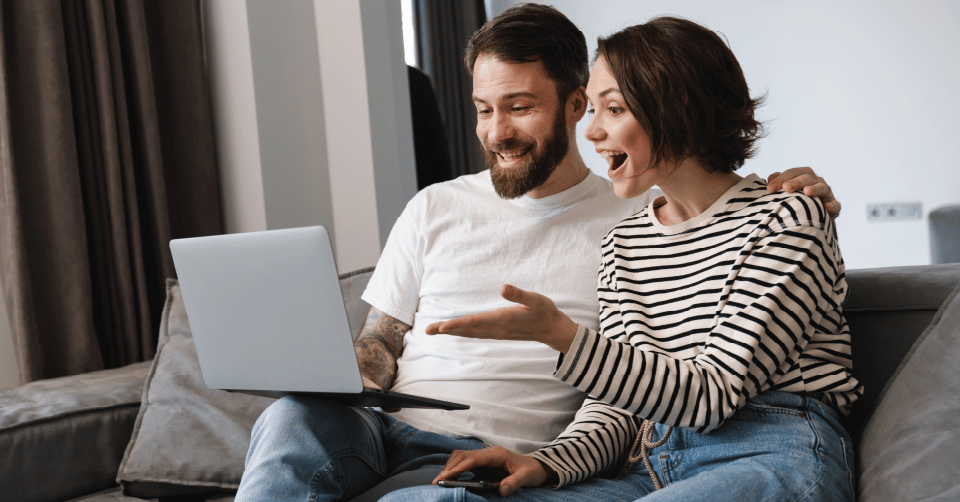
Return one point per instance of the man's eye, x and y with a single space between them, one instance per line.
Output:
520 108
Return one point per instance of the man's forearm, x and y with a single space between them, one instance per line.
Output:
379 346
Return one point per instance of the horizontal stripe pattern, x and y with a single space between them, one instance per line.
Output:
694 324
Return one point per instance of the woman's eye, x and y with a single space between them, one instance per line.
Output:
591 111
615 110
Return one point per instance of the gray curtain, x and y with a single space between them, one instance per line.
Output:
106 153
443 28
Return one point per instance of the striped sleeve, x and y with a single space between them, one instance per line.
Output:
596 442
773 293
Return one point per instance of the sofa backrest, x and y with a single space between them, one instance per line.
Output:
887 310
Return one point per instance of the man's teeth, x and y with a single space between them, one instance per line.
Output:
512 155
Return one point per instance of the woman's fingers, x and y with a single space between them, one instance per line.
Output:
521 470
462 461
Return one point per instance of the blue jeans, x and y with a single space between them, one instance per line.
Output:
779 447
313 449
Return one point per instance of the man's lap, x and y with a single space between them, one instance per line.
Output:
400 454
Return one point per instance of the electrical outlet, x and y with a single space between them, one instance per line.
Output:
894 211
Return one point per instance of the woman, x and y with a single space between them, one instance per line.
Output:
720 304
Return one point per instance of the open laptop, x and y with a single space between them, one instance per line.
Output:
268 318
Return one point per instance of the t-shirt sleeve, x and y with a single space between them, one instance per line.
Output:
394 287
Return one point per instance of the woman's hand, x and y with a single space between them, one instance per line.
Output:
521 469
803 178
534 318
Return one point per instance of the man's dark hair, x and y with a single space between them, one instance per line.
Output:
685 87
531 32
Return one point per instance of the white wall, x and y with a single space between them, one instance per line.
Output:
312 118
863 91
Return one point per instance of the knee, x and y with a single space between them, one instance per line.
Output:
291 415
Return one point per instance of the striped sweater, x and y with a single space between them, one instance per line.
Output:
698 318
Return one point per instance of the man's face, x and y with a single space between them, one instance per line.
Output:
521 123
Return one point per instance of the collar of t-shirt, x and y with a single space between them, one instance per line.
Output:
561 199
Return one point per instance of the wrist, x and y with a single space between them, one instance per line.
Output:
566 332
550 476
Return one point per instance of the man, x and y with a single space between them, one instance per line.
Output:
534 220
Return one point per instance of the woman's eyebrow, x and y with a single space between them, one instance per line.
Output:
608 91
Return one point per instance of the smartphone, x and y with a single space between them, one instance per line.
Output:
479 485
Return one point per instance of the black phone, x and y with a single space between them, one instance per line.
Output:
479 485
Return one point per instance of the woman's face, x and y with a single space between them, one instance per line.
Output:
618 136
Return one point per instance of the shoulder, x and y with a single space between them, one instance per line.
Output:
458 190
798 210
785 210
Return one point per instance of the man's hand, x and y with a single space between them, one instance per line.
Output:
534 318
522 470
812 185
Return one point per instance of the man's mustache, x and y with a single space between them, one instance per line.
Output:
509 145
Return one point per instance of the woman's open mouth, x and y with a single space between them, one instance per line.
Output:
614 159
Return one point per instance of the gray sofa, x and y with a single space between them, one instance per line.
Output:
153 429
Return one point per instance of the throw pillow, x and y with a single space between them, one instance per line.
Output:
187 438
911 445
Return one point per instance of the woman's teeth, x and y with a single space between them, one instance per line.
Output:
616 159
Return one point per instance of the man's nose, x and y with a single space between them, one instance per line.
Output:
501 128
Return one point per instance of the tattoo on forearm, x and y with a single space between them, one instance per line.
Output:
379 346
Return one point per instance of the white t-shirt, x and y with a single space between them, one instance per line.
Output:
449 253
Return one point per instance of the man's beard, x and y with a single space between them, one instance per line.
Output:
513 182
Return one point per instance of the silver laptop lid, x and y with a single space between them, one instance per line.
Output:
267 312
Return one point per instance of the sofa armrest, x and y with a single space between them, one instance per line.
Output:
887 310
64 437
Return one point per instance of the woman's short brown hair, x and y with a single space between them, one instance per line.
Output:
685 87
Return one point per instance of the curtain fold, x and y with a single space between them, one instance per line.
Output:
106 152
443 28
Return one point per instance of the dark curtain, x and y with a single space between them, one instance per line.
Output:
106 153
443 28
430 147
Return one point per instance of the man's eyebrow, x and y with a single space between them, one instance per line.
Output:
512 95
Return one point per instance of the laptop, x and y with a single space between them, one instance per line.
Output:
268 318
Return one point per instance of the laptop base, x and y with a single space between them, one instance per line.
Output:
369 398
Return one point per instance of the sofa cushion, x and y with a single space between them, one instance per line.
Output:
911 444
49 429
189 438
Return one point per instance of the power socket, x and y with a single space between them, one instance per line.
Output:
894 211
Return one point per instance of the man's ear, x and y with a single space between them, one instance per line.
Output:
577 103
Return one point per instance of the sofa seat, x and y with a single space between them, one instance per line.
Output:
85 419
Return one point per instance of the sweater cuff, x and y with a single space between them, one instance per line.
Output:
565 477
566 365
